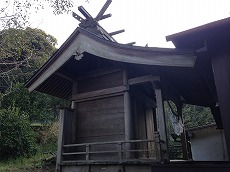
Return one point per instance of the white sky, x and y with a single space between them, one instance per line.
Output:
144 21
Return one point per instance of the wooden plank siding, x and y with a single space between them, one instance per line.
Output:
100 117
99 113
100 82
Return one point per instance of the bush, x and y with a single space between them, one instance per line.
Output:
47 136
16 136
40 107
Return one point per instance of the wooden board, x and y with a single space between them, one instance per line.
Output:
100 117
100 82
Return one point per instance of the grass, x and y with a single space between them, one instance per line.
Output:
46 142
34 163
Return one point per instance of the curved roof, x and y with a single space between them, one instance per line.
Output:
82 41
82 50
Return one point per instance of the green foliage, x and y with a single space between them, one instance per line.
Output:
38 106
34 163
195 116
47 136
26 44
43 160
22 52
17 137
52 137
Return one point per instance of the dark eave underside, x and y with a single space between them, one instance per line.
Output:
187 82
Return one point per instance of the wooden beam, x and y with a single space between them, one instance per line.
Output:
183 136
84 12
97 93
117 32
102 11
150 130
74 107
142 79
79 18
131 43
60 139
127 114
105 16
100 72
99 97
161 124
221 72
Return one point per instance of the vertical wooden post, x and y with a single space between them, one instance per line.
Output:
119 149
161 122
87 158
157 147
127 114
74 91
150 130
221 72
60 139
183 135
74 117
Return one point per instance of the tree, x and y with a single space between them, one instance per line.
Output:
22 51
16 14
17 137
37 106
195 116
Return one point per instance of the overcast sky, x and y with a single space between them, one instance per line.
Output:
144 21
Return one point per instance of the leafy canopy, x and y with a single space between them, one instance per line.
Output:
16 13
17 137
22 51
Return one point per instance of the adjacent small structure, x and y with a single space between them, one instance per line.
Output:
208 143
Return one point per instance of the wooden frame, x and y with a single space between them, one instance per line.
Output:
99 93
60 139
142 79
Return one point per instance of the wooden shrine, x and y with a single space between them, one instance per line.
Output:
116 121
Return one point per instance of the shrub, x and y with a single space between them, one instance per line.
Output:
16 136
50 138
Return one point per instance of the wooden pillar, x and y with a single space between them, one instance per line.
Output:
221 72
183 135
60 139
74 91
127 113
161 122
150 130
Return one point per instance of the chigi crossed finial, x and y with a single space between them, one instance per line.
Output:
91 24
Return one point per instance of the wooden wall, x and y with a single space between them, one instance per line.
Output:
100 120
98 117
143 112
99 80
